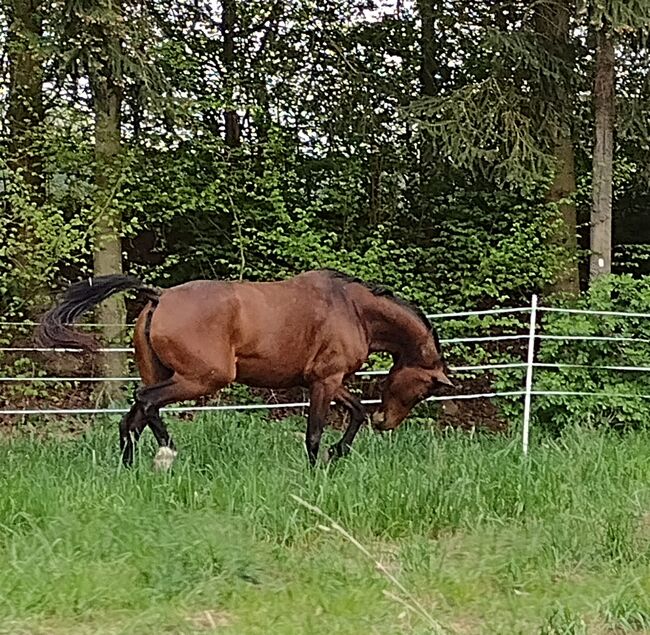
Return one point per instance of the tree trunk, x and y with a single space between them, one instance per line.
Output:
25 111
428 9
563 188
600 261
552 24
231 118
429 67
106 85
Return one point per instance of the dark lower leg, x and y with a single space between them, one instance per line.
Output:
357 417
159 430
315 426
146 411
343 445
131 428
319 402
176 388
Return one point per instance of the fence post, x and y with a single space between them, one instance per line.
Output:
529 371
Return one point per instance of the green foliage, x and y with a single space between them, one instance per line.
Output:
614 293
328 172
506 251
34 240
447 205
485 128
624 16
628 611
563 621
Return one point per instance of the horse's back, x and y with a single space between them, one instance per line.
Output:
275 333
301 327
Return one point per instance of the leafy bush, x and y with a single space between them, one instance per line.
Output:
585 360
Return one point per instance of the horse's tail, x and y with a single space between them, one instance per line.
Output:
53 330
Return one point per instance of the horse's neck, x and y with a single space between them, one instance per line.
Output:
394 329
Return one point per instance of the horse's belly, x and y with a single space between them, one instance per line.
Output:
264 375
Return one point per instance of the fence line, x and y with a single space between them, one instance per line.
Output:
42 349
636 369
550 309
593 338
435 316
305 404
590 393
267 406
361 373
431 316
32 324
364 373
67 379
455 340
122 349
532 337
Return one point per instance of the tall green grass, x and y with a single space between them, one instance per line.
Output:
488 540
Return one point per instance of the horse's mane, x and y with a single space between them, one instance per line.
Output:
382 292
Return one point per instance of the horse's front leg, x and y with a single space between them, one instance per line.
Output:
321 394
357 417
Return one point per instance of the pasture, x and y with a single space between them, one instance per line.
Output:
485 540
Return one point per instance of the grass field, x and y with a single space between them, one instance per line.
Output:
484 540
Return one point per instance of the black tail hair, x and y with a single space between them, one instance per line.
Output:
53 330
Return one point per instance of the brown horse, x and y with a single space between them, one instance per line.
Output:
313 330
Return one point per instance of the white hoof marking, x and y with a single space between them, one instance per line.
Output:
164 458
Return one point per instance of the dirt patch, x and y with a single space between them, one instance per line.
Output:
470 414
464 414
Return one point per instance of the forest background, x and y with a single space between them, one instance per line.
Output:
464 153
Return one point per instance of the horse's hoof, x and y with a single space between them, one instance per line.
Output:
334 453
164 458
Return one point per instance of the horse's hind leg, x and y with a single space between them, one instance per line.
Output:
144 412
131 427
134 423
166 450
176 388
159 430
153 373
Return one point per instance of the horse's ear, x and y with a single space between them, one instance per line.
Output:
439 375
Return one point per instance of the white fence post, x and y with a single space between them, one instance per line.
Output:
529 372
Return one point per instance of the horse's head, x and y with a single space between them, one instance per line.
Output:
405 387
